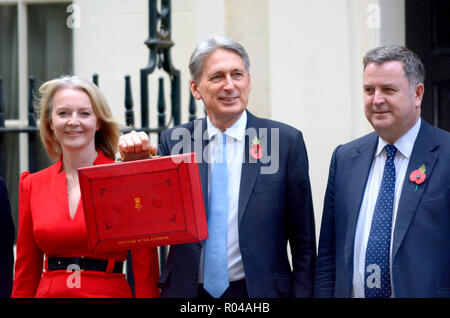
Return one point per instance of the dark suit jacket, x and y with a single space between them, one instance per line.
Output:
421 239
6 243
273 208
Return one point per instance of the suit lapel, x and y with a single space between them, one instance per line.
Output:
198 144
250 168
199 134
360 162
410 198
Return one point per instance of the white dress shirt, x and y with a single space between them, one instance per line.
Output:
404 147
235 143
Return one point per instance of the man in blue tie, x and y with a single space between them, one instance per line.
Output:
255 184
386 219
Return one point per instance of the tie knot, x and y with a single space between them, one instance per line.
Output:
390 151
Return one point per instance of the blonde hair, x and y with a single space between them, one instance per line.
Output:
106 138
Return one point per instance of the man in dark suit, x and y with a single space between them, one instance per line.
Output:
266 200
386 222
6 243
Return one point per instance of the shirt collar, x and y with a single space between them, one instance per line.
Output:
237 131
404 144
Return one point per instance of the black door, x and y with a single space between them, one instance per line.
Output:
428 34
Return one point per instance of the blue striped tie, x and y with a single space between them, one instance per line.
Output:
216 264
377 265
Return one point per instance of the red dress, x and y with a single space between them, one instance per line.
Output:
46 228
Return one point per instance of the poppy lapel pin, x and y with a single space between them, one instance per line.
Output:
256 149
418 176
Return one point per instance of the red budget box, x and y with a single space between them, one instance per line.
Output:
150 202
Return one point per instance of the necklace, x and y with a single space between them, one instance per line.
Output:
71 188
72 183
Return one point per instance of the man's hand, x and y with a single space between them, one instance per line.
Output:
135 146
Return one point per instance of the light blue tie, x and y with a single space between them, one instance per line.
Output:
377 274
216 264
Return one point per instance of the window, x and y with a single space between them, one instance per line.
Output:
35 41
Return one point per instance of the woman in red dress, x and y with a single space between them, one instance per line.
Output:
53 259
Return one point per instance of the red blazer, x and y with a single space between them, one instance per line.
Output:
46 228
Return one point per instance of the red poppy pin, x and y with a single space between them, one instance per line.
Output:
418 176
256 149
